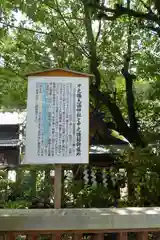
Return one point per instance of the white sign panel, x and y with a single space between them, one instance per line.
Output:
57 120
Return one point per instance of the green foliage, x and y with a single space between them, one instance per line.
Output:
19 204
12 89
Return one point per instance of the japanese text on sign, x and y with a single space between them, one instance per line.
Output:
57 120
58 115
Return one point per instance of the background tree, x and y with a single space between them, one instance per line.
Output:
117 41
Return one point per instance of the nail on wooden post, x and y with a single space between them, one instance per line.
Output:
142 236
122 236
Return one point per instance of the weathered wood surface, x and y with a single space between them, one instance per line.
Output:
58 186
122 236
78 236
83 220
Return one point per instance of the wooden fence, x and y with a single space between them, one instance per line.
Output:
75 222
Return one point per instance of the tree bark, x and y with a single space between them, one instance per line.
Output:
100 97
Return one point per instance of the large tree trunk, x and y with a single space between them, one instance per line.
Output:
101 98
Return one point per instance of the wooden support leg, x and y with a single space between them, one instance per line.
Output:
122 236
98 236
142 236
58 192
52 237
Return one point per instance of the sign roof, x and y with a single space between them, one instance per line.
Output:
59 72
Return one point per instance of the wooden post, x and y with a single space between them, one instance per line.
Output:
142 236
78 236
58 191
58 186
122 236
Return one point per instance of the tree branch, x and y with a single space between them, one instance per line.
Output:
150 27
102 98
23 28
157 5
122 126
43 33
145 5
92 46
129 82
99 31
120 11
100 25
57 9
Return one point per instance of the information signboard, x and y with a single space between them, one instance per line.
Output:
57 130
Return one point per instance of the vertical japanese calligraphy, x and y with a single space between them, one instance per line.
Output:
59 119
79 115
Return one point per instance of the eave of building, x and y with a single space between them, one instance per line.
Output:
12 118
10 143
